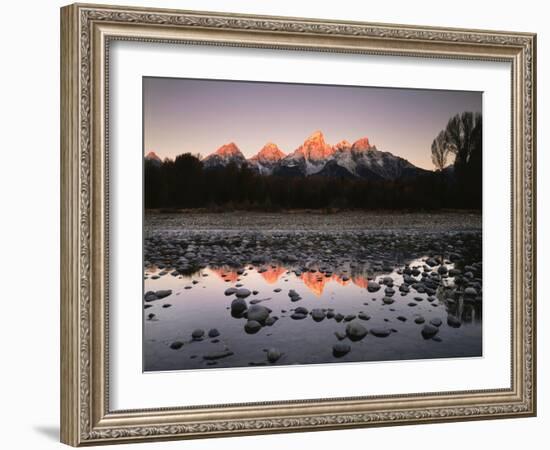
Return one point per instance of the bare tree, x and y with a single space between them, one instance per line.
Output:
463 134
441 149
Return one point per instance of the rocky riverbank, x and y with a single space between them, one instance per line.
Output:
331 284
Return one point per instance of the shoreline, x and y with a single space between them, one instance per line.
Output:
318 211
345 221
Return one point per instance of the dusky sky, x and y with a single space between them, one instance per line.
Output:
198 116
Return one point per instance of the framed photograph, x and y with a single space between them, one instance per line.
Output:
275 224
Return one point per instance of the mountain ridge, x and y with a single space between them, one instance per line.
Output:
315 157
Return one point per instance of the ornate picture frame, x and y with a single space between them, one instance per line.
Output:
86 34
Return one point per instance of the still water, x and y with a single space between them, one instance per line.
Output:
198 302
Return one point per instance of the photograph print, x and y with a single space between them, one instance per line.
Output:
294 224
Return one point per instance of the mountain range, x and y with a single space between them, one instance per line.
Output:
359 159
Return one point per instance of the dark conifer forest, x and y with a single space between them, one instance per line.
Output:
185 183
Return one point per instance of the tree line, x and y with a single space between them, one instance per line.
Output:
184 182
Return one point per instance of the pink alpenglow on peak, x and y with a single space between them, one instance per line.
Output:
226 154
342 146
315 148
362 144
270 152
230 149
152 156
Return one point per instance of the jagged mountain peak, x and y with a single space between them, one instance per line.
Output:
229 149
152 156
342 146
316 135
314 148
270 152
227 153
362 144
315 157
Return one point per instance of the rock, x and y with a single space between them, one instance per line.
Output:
317 314
213 332
330 314
164 293
372 286
242 293
355 331
150 296
402 318
150 316
431 262
436 322
238 306
380 332
255 292
411 304
404 288
277 290
176 345
217 355
442 270
273 355
258 313
339 317
271 320
197 334
294 296
147 306
298 316
429 331
453 322
166 305
418 299
388 300
470 291
388 281
340 349
301 310
230 291
419 320
389 291
339 335
349 317
257 259
252 326
363 316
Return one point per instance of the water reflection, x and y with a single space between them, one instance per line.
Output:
331 299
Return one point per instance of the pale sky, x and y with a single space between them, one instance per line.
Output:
198 116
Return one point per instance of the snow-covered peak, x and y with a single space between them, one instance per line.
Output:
314 148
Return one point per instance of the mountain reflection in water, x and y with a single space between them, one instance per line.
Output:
198 302
315 281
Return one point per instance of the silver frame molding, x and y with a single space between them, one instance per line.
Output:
86 32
